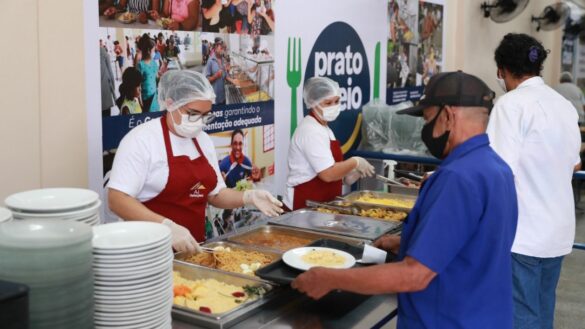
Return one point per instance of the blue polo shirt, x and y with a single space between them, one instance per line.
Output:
211 68
462 228
237 174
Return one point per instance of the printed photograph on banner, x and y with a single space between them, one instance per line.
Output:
431 39
175 15
249 17
246 161
403 43
411 62
132 62
240 67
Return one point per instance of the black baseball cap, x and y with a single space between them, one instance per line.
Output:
456 89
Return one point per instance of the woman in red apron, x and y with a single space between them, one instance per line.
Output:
315 160
166 169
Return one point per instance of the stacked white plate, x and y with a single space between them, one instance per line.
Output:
54 259
133 268
74 204
5 215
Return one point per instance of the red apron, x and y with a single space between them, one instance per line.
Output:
184 198
317 189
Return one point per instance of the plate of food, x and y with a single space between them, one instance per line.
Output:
164 22
306 257
127 18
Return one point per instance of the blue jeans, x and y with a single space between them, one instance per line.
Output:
535 282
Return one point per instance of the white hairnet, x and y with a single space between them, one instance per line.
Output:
317 89
179 88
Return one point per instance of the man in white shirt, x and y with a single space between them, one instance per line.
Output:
535 130
572 93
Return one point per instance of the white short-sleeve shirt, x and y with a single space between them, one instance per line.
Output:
534 129
140 167
309 154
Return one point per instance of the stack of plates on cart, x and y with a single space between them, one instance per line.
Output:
133 265
72 204
5 215
54 259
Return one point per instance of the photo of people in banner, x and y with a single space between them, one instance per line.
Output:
251 17
431 38
415 44
176 15
240 67
246 161
132 62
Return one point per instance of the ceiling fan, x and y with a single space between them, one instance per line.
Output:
552 17
501 11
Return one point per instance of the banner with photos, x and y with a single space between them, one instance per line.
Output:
139 41
415 47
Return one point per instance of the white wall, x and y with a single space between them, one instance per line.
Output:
472 39
43 129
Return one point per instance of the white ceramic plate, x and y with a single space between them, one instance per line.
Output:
293 257
129 318
135 306
132 282
101 276
132 252
5 215
129 269
130 258
51 200
39 234
75 214
152 293
133 287
129 235
133 264
164 322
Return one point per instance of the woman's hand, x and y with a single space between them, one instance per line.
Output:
181 237
110 11
154 15
264 201
174 25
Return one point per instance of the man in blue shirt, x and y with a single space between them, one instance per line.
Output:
216 71
454 268
235 166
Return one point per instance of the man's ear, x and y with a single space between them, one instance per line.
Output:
450 114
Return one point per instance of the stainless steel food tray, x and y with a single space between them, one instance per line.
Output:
348 208
313 236
352 197
181 256
347 225
403 190
221 320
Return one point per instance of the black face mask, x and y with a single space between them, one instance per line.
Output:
435 145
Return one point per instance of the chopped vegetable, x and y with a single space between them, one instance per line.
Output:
238 294
254 290
181 290
205 309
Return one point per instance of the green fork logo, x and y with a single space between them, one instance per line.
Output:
293 78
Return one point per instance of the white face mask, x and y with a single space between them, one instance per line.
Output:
187 128
502 84
330 113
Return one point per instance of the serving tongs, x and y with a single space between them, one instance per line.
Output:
390 181
206 249
347 210
409 175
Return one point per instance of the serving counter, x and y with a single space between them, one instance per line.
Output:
337 310
282 306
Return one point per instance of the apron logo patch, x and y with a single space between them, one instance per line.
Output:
197 191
